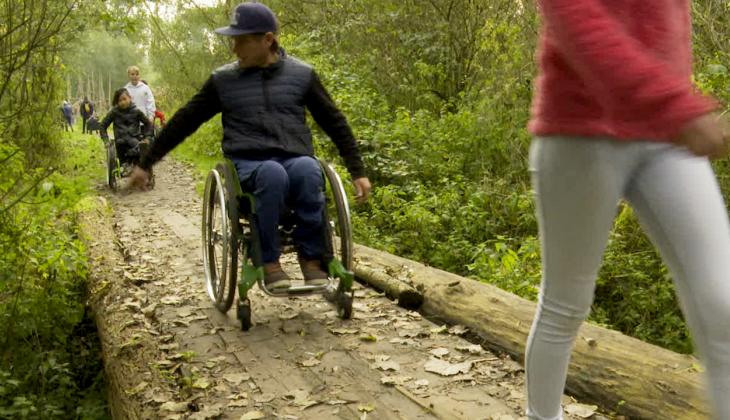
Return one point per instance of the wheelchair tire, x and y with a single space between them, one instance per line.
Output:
243 313
221 237
338 211
344 305
112 166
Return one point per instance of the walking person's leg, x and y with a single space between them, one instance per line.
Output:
678 201
578 183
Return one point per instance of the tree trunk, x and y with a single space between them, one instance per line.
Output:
104 284
407 296
617 372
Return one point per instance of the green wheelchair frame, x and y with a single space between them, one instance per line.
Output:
230 232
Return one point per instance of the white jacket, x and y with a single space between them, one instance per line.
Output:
142 98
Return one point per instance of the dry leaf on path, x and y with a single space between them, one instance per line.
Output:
421 383
312 361
458 330
201 383
366 408
439 330
386 365
440 352
445 368
236 378
253 415
175 407
343 331
171 300
583 411
472 349
394 380
300 398
264 398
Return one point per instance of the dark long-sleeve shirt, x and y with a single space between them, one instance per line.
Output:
209 101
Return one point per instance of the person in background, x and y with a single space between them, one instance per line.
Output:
262 97
141 94
68 116
86 109
615 116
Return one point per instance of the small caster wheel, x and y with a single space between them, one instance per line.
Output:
344 305
244 315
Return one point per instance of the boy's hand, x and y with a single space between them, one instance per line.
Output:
138 179
707 135
362 189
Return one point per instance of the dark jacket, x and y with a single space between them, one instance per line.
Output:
126 123
263 114
82 109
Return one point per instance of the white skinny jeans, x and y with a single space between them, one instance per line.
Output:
578 184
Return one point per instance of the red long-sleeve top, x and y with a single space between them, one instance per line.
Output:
618 68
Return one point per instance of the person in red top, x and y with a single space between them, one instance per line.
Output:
615 116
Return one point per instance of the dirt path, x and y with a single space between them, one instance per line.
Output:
298 361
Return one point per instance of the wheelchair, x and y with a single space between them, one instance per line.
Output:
117 168
230 236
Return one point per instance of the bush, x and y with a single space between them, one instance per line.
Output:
43 269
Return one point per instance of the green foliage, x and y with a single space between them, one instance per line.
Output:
98 65
42 272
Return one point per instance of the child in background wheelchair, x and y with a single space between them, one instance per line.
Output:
132 137
132 130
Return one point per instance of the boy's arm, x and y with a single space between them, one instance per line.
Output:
328 116
202 107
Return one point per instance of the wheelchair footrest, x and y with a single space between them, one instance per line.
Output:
299 290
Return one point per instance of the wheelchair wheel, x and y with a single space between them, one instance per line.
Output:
112 166
221 236
338 213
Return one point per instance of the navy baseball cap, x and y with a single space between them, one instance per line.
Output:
250 18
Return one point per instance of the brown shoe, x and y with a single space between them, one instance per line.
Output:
313 273
275 278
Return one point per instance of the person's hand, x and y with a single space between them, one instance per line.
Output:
139 179
362 189
707 135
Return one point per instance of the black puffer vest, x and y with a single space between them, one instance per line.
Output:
263 109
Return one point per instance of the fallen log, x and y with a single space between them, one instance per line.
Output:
105 287
619 373
405 295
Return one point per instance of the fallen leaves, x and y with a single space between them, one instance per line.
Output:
253 415
236 378
445 368
386 365
583 411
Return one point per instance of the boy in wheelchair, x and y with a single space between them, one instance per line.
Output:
131 128
262 98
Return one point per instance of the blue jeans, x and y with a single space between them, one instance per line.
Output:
279 184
